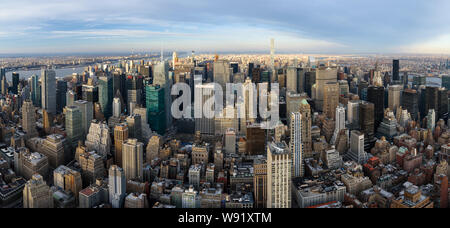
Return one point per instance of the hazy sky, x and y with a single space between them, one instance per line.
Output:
325 26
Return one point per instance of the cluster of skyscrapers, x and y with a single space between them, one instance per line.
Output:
350 133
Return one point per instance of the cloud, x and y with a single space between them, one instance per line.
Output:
435 45
320 25
113 33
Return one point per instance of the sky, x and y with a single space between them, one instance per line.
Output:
298 26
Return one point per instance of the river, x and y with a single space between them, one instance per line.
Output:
60 73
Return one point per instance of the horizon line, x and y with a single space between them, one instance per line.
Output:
122 53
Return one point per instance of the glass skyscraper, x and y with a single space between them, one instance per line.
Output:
35 91
61 91
396 70
74 129
105 95
48 82
155 103
15 82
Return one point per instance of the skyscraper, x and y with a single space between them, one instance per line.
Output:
133 159
156 108
117 186
431 98
340 123
29 119
279 168
293 101
410 102
230 141
366 118
396 70
71 97
394 97
153 148
120 85
222 73
250 69
48 82
431 119
4 86
305 111
15 83
442 112
90 92
105 94
366 123
260 182
35 91
2 73
353 113
324 75
296 144
120 136
204 124
74 129
87 114
256 139
375 95
134 126
446 81
291 79
301 79
161 77
117 107
330 99
47 120
61 95
357 152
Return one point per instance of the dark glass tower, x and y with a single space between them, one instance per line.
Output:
61 90
15 82
120 84
2 73
250 69
362 90
35 91
431 99
446 81
256 75
90 93
235 67
156 108
105 95
443 104
375 95
310 80
410 102
134 89
396 70
366 122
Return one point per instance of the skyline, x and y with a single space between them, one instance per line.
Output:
323 26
